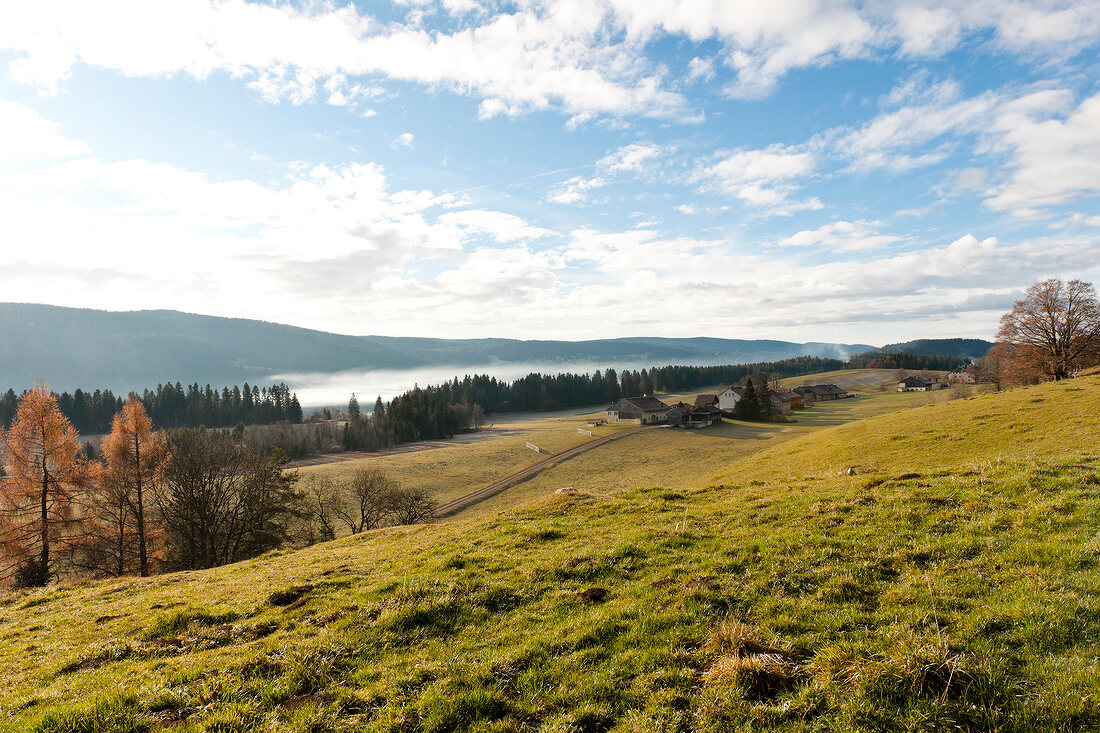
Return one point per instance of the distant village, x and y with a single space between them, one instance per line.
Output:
709 409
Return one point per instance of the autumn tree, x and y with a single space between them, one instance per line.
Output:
135 458
106 543
38 498
1052 333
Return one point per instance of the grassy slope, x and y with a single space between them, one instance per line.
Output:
950 584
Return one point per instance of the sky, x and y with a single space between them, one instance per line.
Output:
802 170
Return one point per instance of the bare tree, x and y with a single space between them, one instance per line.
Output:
1053 332
222 501
367 501
323 497
411 505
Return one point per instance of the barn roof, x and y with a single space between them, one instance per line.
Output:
647 403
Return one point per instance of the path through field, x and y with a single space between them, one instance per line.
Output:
497 486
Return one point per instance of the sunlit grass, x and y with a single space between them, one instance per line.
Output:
946 584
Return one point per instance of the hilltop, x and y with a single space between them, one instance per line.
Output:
71 347
933 567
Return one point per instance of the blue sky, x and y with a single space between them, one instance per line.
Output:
801 170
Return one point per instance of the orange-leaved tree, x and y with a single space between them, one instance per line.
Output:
38 496
135 460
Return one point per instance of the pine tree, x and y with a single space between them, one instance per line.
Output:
748 407
353 407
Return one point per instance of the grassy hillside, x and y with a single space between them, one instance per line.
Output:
950 583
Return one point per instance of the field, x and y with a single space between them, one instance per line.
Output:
925 568
693 456
460 468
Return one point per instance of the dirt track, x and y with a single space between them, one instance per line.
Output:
497 486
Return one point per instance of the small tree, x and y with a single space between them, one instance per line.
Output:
1053 332
411 505
353 407
367 504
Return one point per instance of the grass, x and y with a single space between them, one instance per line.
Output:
458 469
945 585
853 380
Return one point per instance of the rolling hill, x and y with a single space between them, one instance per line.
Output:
71 348
929 569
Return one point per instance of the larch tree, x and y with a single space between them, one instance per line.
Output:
135 457
1052 332
39 495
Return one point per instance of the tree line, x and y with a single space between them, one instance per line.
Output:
903 360
174 406
186 498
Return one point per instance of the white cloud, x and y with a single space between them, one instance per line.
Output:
535 58
1076 220
924 114
1051 161
841 236
636 159
633 158
103 231
762 178
574 190
583 59
700 69
404 140
498 225
26 136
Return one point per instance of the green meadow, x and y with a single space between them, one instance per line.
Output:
897 562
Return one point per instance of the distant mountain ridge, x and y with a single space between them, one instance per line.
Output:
75 347
970 348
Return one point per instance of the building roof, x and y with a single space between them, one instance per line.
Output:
739 391
916 381
788 394
645 403
706 410
706 399
823 389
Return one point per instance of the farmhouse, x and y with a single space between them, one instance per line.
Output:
962 374
644 410
679 413
703 416
728 398
782 401
917 384
693 416
820 392
792 396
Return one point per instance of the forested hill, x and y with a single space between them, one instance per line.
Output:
72 348
972 348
